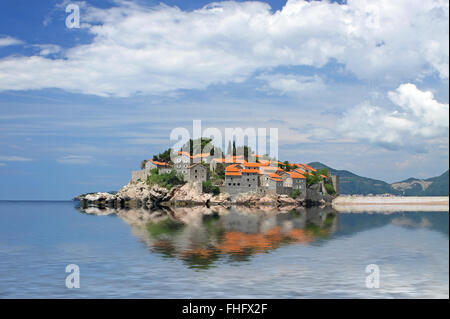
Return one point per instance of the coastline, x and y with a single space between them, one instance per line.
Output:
360 203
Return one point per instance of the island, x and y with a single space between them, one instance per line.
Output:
192 177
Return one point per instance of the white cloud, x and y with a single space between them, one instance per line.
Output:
48 49
416 118
14 159
137 49
8 41
75 159
293 84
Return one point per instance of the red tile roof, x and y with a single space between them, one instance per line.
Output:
295 175
233 173
250 170
159 163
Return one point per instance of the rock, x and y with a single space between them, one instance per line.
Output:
189 194
286 200
157 194
221 199
99 197
269 199
137 190
247 199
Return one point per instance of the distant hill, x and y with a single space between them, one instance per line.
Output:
434 186
351 183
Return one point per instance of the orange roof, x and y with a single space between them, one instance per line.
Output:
250 170
274 175
159 163
199 155
300 171
271 168
324 176
233 173
247 164
276 179
309 167
232 168
184 153
295 175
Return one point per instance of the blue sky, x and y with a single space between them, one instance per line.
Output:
360 85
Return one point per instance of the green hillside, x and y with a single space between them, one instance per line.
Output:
351 183
438 186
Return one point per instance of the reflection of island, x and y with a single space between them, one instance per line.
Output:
201 236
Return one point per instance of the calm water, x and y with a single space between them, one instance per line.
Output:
223 254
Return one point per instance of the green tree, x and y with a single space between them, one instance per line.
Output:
295 193
208 187
330 189
166 180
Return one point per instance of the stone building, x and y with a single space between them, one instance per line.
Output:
161 166
241 180
294 180
181 164
271 183
335 181
197 173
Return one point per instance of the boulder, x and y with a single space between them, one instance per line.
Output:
189 194
221 199
286 200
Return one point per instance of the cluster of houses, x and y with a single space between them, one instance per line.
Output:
262 176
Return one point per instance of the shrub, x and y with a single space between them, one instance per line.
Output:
313 179
330 189
166 180
220 170
295 193
208 187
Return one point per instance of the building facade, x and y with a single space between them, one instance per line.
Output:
197 173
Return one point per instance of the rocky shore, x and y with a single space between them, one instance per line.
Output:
139 194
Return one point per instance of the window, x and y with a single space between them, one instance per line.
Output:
239 184
195 171
229 184
249 185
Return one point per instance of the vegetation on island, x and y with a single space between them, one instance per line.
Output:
295 193
209 187
166 180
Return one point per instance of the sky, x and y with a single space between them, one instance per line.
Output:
357 85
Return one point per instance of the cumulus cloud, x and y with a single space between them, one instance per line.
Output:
75 159
14 158
8 41
416 117
141 50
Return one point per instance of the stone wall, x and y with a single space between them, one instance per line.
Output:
139 175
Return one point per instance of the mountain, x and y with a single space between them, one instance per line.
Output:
351 183
434 186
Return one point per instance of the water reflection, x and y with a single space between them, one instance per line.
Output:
201 236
